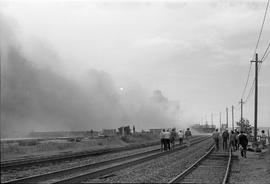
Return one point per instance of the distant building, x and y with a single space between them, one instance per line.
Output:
124 130
155 131
223 126
55 134
109 132
203 128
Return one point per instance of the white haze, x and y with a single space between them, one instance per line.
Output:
197 53
37 97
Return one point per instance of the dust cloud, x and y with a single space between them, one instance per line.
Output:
38 98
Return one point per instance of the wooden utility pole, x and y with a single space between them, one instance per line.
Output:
220 121
206 123
256 97
227 123
212 119
232 118
241 102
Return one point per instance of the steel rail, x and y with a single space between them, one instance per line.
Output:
40 159
227 169
186 172
92 175
126 162
191 168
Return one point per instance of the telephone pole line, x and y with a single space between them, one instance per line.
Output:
206 123
256 97
220 121
227 123
232 118
212 119
241 102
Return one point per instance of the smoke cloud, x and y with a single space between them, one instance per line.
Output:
39 98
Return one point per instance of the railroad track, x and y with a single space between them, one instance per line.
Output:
213 167
23 162
91 171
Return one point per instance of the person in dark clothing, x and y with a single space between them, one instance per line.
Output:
162 140
225 137
187 136
236 140
167 136
232 138
243 142
173 138
215 136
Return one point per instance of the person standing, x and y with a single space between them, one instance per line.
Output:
181 137
167 140
232 140
173 138
236 139
243 142
215 136
225 137
263 139
162 141
188 136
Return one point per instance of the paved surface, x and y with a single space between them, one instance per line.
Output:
255 169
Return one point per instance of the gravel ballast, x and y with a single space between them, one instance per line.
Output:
159 170
50 167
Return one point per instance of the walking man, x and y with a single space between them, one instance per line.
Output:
181 137
187 136
232 138
173 138
162 141
215 136
225 137
243 142
236 139
167 140
263 139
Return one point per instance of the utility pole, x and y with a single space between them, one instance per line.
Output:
220 121
241 102
212 119
256 97
227 123
206 123
232 118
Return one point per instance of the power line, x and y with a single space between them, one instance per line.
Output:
259 37
253 83
247 80
255 50
264 54
250 91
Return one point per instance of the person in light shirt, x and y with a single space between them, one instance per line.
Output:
263 139
180 136
167 136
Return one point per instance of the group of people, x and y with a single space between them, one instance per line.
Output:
168 138
233 140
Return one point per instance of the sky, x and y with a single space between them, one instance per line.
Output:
196 52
